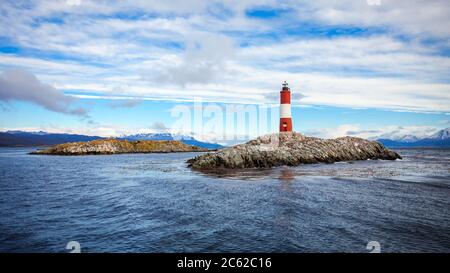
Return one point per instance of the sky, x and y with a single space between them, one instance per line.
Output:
365 68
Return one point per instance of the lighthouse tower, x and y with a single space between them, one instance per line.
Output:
285 109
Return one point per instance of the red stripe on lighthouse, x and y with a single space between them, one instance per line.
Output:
285 109
285 97
285 124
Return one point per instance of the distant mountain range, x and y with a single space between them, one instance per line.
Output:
23 139
440 139
20 138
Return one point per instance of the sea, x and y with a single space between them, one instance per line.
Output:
155 203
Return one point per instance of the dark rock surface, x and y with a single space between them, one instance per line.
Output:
291 149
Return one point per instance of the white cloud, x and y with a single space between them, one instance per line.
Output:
372 56
97 130
400 132
184 51
127 103
250 78
388 132
420 17
73 2
339 131
16 84
203 61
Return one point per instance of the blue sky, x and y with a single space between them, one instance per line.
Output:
367 68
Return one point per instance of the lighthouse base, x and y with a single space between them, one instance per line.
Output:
285 124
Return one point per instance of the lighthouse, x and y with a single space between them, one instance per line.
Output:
285 109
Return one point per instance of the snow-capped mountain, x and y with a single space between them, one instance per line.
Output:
402 138
168 136
440 139
442 134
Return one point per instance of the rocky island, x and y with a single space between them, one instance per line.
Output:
291 149
115 146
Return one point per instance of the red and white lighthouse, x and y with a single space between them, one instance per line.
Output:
285 109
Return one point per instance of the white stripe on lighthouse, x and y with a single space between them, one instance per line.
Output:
285 111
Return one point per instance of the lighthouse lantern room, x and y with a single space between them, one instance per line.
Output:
285 109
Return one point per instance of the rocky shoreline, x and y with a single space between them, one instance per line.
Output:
291 149
115 146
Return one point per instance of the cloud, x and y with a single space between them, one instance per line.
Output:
340 131
17 84
360 132
274 97
419 17
416 18
159 127
445 122
73 2
399 132
203 61
323 71
94 129
235 58
387 132
127 103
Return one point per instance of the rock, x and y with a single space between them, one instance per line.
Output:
114 146
291 149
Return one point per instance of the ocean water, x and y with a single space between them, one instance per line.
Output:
153 203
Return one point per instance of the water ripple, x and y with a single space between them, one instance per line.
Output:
154 203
